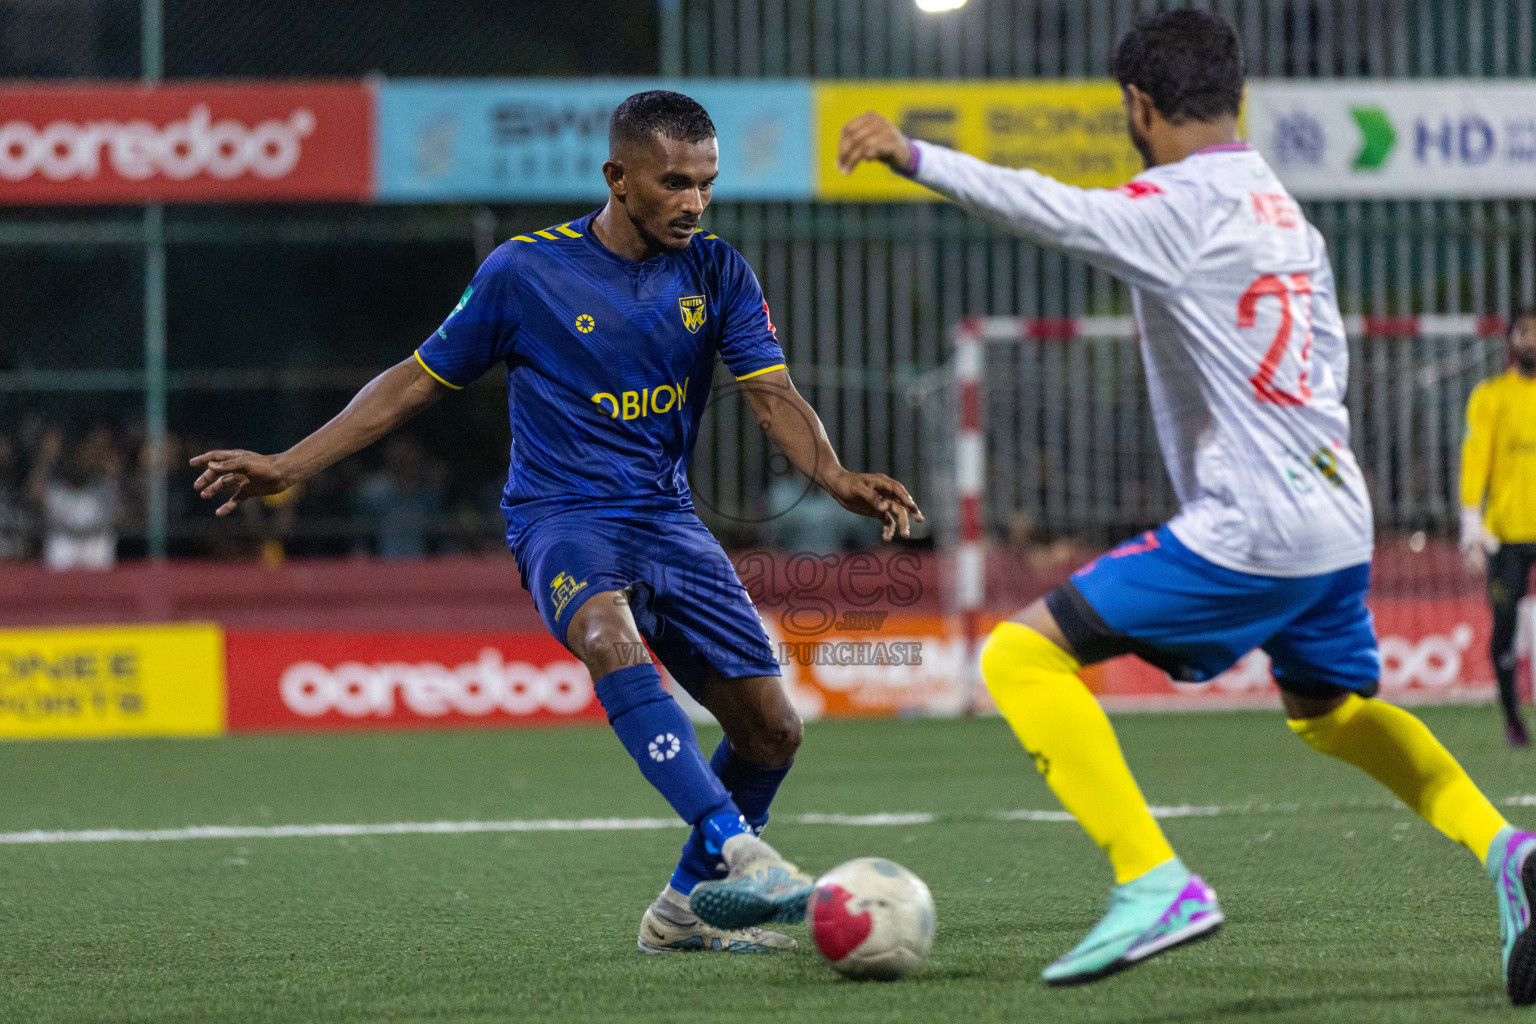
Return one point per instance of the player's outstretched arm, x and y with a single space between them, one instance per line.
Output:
793 425
384 403
1148 242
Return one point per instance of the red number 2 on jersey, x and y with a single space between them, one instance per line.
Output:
1282 288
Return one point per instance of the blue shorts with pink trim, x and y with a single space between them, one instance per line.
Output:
1157 599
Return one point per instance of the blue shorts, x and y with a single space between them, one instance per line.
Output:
1155 598
688 602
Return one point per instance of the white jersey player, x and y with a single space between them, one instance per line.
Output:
1241 334
1246 367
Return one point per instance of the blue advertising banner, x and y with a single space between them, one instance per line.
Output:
542 139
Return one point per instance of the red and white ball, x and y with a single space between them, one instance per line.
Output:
872 919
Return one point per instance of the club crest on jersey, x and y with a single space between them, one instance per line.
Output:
561 589
693 312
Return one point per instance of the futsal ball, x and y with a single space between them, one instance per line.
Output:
872 919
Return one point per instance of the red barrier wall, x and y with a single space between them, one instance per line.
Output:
441 594
482 593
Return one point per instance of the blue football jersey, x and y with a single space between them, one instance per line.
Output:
608 362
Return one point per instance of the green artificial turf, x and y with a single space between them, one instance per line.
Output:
1340 906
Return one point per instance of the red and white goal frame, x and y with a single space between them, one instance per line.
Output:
969 337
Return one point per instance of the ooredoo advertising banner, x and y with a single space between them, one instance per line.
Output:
1396 140
199 680
445 141
186 143
128 681
357 681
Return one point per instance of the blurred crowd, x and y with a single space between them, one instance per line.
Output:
74 497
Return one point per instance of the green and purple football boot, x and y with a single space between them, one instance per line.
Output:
1166 907
1513 871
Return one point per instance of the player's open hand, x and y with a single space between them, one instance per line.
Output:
238 475
879 497
869 137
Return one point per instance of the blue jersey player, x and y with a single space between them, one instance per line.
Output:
609 328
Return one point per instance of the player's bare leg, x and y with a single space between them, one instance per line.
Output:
1156 903
1399 751
762 733
662 741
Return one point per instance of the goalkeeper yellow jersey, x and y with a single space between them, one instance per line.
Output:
1498 456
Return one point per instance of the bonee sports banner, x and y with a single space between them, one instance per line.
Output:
128 681
1072 130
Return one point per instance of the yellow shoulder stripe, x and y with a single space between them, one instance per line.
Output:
564 229
746 376
708 237
435 375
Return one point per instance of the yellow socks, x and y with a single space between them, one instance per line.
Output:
1062 727
1399 751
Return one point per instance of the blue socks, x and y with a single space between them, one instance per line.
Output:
660 738
752 786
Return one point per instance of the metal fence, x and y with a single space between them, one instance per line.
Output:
273 314
1074 38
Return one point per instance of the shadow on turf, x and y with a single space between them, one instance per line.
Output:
1260 1006
919 975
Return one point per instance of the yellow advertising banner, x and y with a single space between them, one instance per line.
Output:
118 681
1072 130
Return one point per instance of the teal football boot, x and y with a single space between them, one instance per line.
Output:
761 887
1166 907
1513 871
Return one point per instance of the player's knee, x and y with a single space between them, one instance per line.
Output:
1014 655
775 741
606 644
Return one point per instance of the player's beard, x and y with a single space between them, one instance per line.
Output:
654 242
1140 142
1525 358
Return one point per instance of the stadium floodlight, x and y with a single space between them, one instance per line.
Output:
939 6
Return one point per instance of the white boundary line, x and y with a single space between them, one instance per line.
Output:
406 828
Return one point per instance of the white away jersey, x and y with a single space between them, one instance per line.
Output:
1242 338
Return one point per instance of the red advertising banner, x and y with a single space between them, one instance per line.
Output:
1433 651
361 681
186 142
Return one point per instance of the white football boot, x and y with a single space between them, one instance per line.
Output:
670 927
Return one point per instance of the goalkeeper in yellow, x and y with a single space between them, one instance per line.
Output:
1498 500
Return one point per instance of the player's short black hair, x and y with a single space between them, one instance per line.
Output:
1523 313
659 112
1189 62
